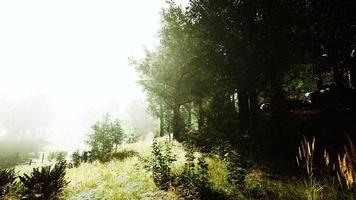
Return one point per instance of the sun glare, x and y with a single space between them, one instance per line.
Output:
74 54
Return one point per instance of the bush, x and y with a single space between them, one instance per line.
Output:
86 156
161 164
193 182
76 158
106 136
121 155
45 183
237 168
7 179
57 156
131 138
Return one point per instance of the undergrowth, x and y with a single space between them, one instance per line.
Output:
170 170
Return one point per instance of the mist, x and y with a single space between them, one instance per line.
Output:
65 64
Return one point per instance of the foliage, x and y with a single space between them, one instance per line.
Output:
166 73
237 168
217 60
128 179
131 138
123 154
86 156
57 156
7 179
222 119
45 183
162 159
255 186
193 182
107 134
76 158
299 80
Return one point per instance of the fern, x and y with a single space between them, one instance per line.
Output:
45 183
7 179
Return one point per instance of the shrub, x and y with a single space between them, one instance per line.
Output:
131 138
162 159
193 182
106 136
7 179
45 183
86 156
76 158
57 156
121 155
237 168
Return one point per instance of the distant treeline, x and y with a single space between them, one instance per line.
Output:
18 151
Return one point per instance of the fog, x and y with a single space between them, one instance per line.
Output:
64 64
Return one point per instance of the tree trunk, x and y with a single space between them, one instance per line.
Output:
353 72
243 112
353 77
177 125
277 100
161 121
189 120
200 114
253 110
337 75
319 79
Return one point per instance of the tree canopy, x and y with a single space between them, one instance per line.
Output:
218 61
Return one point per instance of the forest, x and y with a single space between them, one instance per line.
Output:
253 100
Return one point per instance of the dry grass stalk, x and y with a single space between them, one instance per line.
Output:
347 166
326 158
305 155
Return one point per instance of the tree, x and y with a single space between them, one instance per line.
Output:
107 134
165 72
219 60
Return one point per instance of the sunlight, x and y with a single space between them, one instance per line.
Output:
177 99
75 54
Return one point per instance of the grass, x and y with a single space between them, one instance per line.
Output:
129 178
218 176
114 180
117 179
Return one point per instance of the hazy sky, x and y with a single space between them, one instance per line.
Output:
74 52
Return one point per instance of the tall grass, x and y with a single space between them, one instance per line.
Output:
114 180
347 166
129 177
